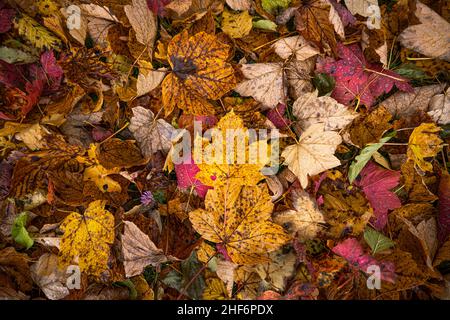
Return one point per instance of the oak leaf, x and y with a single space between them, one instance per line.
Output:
313 154
87 239
199 72
238 217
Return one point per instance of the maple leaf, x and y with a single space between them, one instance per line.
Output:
356 78
424 143
313 154
305 220
151 134
376 183
295 45
186 173
352 251
312 21
238 217
310 109
430 37
87 239
216 169
199 72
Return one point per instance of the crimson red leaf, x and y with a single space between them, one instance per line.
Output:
352 251
157 6
356 78
186 177
377 183
51 68
276 115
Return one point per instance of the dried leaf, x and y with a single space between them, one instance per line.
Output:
236 25
424 143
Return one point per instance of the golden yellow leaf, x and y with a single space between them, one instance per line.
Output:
199 72
87 239
230 166
424 143
98 173
215 290
238 217
236 25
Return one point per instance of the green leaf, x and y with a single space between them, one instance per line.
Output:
130 285
39 36
274 6
377 241
265 25
323 83
20 233
411 71
11 55
361 160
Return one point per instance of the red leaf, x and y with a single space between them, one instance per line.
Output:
10 74
444 206
376 183
277 117
186 177
352 251
51 68
355 77
157 6
6 16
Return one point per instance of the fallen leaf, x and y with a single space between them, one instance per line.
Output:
239 4
87 239
439 108
311 109
295 45
236 25
138 250
313 154
49 277
377 241
376 184
430 37
305 221
361 7
245 230
151 134
199 72
424 143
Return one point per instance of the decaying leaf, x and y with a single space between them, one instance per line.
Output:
87 239
424 143
238 217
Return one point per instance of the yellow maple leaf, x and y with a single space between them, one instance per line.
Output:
424 143
98 173
231 165
87 238
199 72
238 217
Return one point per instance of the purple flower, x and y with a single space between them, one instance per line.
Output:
147 199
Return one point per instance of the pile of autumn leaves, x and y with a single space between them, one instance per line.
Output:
259 236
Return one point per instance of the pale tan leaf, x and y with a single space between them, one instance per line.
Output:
149 80
225 271
143 21
280 267
304 221
360 7
264 83
139 251
295 45
49 277
313 154
299 75
336 21
310 109
152 135
406 104
430 38
439 108
239 5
